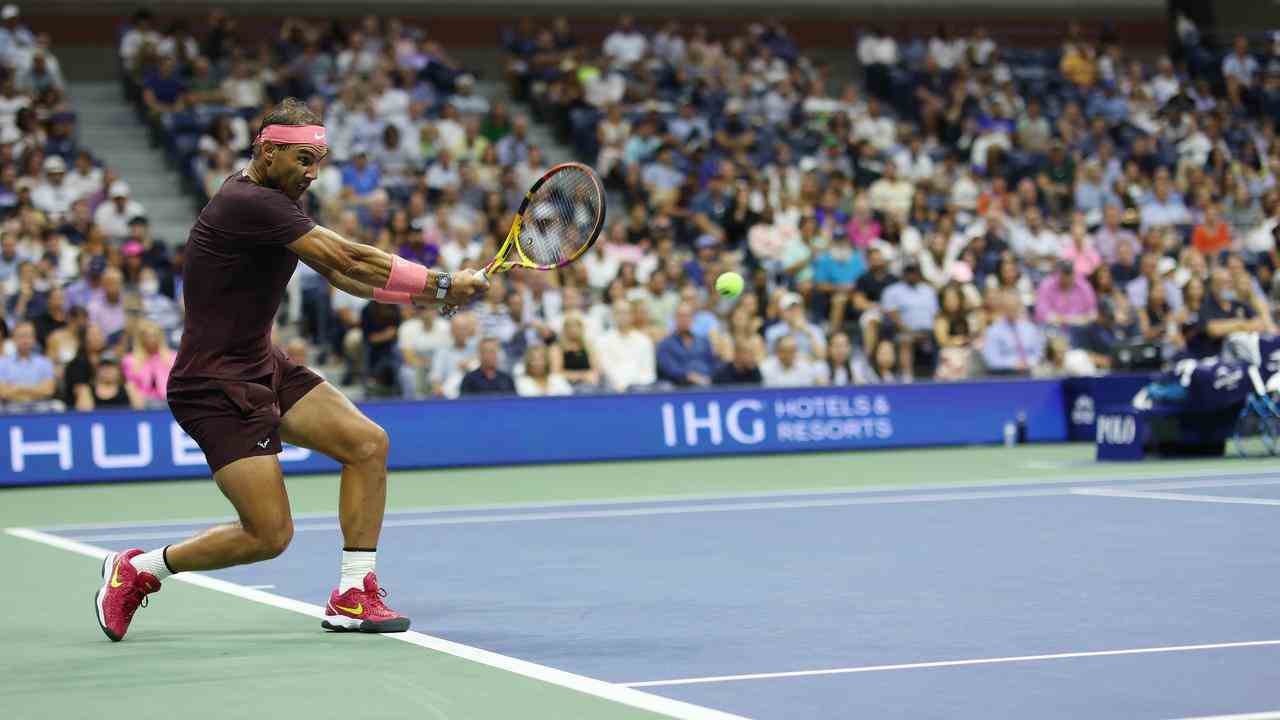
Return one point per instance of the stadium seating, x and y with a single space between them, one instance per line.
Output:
1038 235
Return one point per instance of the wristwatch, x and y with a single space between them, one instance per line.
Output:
443 283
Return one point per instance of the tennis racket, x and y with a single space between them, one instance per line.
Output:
559 219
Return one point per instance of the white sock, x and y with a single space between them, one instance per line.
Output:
355 565
152 562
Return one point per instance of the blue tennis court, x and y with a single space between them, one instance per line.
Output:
1154 599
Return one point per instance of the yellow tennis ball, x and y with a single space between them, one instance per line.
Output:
729 285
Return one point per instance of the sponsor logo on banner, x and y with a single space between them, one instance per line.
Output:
1117 429
112 446
1082 411
752 421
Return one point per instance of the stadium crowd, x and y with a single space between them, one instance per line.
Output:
964 209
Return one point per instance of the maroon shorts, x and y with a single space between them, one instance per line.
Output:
233 419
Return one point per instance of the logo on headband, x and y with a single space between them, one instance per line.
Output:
294 134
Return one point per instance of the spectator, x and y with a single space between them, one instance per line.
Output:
244 88
1153 269
1079 249
361 176
1065 299
54 195
488 378
843 366
1034 242
54 317
380 328
106 309
450 363
954 331
536 378
890 194
627 356
1013 345
156 306
1239 70
1163 207
26 378
625 46
794 323
742 368
885 367
146 368
835 274
1113 329
419 339
868 292
299 353
684 358
514 147
787 367
1212 235
107 391
1062 360
1108 239
572 355
910 305
165 91
91 350
1156 318
113 216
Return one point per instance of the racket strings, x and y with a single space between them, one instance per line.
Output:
562 218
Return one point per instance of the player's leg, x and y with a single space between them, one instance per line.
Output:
324 420
255 487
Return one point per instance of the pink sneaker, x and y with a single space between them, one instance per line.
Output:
362 611
123 590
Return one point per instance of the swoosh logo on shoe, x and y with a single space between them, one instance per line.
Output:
115 575
359 608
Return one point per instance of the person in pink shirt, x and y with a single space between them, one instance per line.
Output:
1065 298
862 226
1079 248
147 366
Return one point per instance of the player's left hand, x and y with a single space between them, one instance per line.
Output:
467 286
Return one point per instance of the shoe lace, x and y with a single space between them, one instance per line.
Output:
375 600
134 599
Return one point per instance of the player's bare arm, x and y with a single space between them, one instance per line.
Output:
363 269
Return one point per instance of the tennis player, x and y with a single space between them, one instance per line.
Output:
238 396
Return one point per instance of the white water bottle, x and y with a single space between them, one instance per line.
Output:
1010 434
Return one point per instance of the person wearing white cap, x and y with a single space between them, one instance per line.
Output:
113 216
53 195
16 39
465 100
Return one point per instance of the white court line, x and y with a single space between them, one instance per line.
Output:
590 686
1269 715
677 508
641 512
1247 478
946 663
1180 497
261 587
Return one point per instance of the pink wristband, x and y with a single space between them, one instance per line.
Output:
407 277
391 297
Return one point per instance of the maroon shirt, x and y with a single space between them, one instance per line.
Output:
234 278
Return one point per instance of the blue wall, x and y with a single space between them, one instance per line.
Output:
121 445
